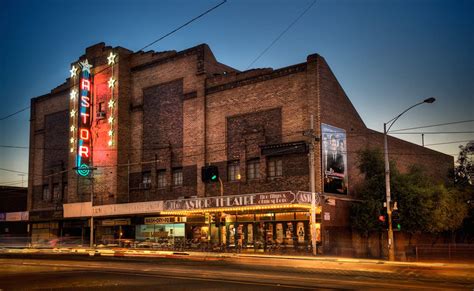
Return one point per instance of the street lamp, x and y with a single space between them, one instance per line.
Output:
391 250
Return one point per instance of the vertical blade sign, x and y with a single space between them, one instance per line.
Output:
84 142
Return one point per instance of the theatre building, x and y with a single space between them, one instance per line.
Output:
124 143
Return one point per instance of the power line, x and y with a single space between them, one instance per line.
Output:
13 171
434 132
164 36
176 29
14 113
433 125
441 143
281 34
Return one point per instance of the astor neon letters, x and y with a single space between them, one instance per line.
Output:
83 159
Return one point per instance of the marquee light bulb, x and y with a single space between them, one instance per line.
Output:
73 128
86 67
73 113
73 71
111 58
72 140
73 94
111 82
111 119
111 103
111 132
110 143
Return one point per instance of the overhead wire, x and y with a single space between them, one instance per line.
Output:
152 43
185 24
433 125
281 34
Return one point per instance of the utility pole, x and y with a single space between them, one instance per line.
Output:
386 128
312 181
91 179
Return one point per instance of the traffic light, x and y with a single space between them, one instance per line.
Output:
383 221
209 174
396 220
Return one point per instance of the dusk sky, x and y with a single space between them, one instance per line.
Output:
387 55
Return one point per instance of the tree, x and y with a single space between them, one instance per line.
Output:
423 206
464 165
463 182
372 192
448 210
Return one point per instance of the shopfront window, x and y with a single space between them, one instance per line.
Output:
161 236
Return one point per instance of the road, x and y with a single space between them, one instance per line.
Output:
237 274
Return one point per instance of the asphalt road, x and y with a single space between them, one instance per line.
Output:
173 274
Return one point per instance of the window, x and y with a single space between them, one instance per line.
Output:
177 177
56 192
233 170
146 180
161 178
146 177
275 168
46 193
253 169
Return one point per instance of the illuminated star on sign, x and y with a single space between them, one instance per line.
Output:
73 127
72 140
110 142
73 71
86 66
111 119
111 132
111 58
73 112
111 82
72 150
111 103
73 94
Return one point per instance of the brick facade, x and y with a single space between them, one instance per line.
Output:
179 111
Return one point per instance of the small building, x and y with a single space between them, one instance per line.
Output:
13 215
131 132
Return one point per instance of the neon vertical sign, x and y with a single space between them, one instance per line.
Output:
84 136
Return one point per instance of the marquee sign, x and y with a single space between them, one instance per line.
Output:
270 198
84 137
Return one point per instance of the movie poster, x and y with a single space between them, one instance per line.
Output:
334 155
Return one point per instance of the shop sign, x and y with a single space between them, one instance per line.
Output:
305 197
158 220
128 208
84 136
16 216
79 209
45 215
113 222
270 198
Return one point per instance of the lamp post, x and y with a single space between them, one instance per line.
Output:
391 250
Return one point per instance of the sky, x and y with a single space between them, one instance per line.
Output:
387 55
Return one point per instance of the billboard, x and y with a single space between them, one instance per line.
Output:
334 159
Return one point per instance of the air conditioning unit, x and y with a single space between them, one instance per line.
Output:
144 186
101 115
